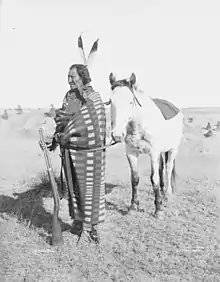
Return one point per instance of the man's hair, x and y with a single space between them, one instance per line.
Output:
83 73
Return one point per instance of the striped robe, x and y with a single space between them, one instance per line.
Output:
85 171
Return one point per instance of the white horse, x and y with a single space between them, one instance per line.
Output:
136 120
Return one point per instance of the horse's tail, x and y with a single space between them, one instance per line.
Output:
173 177
173 173
161 168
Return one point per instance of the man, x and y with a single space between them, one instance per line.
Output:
81 133
78 79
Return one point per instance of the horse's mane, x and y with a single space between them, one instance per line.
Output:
143 96
138 91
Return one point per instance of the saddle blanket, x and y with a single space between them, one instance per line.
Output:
167 108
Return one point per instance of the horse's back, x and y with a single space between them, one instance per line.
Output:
164 134
160 123
173 131
162 114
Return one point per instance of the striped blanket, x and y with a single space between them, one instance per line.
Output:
85 171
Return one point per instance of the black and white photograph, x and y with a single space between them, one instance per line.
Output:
109 140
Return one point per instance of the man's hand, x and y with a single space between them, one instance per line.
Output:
50 146
59 139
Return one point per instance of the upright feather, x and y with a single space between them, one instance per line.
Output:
92 53
81 50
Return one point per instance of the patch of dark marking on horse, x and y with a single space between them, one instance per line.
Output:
161 168
135 180
166 156
151 178
134 128
121 83
131 127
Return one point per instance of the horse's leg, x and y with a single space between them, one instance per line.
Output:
155 180
132 156
161 175
170 171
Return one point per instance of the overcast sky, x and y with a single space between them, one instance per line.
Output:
172 46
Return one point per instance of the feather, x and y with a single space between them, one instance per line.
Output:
81 50
80 43
94 47
92 52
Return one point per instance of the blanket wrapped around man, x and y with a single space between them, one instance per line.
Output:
85 169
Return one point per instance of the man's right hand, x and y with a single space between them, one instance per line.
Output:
53 145
50 146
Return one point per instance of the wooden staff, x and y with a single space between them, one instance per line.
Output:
56 228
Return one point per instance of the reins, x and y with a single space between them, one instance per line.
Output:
80 149
135 97
93 149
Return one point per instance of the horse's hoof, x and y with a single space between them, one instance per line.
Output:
165 197
169 197
135 207
158 214
163 194
140 210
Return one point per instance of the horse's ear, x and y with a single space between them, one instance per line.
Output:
132 79
112 78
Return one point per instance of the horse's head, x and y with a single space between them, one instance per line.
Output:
122 105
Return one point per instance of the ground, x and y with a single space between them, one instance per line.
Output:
182 246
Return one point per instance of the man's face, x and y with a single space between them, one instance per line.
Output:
74 79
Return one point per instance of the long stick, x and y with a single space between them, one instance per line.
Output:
56 228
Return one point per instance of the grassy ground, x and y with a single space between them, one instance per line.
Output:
183 246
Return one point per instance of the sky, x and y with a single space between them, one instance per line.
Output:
173 47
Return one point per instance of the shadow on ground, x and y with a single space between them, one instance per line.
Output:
112 206
28 207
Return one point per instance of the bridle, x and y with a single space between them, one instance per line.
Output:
132 91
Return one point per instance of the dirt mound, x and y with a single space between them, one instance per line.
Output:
25 125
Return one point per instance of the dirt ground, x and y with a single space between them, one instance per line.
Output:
182 246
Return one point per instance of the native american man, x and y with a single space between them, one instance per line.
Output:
81 123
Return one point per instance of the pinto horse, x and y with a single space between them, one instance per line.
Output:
137 121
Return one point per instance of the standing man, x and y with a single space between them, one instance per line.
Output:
81 134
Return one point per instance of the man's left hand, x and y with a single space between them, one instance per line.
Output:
59 137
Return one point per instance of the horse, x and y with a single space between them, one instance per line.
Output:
137 121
